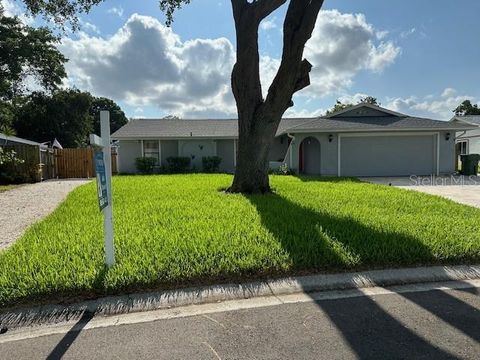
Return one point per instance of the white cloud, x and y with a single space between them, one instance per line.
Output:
11 9
116 11
268 24
440 107
449 92
407 33
146 63
341 46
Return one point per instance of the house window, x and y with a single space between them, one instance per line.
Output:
151 149
462 147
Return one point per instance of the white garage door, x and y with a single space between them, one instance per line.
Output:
388 155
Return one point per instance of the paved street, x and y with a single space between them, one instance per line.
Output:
404 325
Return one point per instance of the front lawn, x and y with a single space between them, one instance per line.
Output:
180 229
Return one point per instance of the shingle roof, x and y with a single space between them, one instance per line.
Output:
472 119
162 128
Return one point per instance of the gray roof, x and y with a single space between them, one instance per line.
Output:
166 128
471 119
340 122
9 140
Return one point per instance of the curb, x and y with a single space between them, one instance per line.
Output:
115 305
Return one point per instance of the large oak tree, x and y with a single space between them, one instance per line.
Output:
258 117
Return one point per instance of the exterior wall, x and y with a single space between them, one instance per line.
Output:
278 149
473 137
328 153
196 149
447 153
226 151
128 151
168 148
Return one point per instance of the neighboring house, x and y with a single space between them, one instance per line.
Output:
468 141
364 140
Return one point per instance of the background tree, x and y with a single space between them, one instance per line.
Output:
339 106
26 52
467 108
65 115
117 116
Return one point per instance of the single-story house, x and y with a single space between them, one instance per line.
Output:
364 140
468 141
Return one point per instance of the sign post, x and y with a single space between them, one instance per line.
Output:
103 168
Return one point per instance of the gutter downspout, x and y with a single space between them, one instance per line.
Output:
289 152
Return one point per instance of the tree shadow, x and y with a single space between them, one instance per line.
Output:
62 347
316 240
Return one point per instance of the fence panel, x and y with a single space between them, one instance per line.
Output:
78 163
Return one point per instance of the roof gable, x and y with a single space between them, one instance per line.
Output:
364 110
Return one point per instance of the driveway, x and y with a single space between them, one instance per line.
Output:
27 204
462 189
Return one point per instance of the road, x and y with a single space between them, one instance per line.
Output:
439 324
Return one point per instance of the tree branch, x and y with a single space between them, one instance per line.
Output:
263 8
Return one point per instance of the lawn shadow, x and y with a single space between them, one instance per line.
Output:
62 347
307 236
317 240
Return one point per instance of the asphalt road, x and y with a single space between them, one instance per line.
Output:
417 325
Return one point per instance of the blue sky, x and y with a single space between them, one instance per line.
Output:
416 57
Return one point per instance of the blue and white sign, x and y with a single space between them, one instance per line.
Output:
102 189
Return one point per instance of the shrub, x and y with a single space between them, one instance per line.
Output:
145 165
283 170
10 173
211 163
178 164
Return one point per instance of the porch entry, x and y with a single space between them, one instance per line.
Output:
309 156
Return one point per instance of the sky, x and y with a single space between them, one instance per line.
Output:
416 57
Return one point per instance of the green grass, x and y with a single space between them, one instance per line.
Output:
179 229
4 188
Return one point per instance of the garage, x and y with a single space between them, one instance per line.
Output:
387 154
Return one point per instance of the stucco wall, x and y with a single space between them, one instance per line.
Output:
278 149
169 148
196 150
128 151
226 152
327 156
473 137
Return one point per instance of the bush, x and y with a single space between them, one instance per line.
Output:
145 165
211 163
282 170
178 164
9 168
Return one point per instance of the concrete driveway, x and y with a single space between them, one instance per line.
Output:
462 189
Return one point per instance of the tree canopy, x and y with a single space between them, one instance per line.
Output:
65 115
117 116
467 108
28 54
339 106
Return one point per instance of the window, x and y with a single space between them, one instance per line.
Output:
462 147
151 149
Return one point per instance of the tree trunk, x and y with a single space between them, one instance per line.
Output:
258 118
251 173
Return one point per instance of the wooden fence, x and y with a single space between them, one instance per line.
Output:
78 163
36 163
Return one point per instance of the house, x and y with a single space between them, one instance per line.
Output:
467 141
364 140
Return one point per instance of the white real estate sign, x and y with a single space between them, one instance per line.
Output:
104 182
